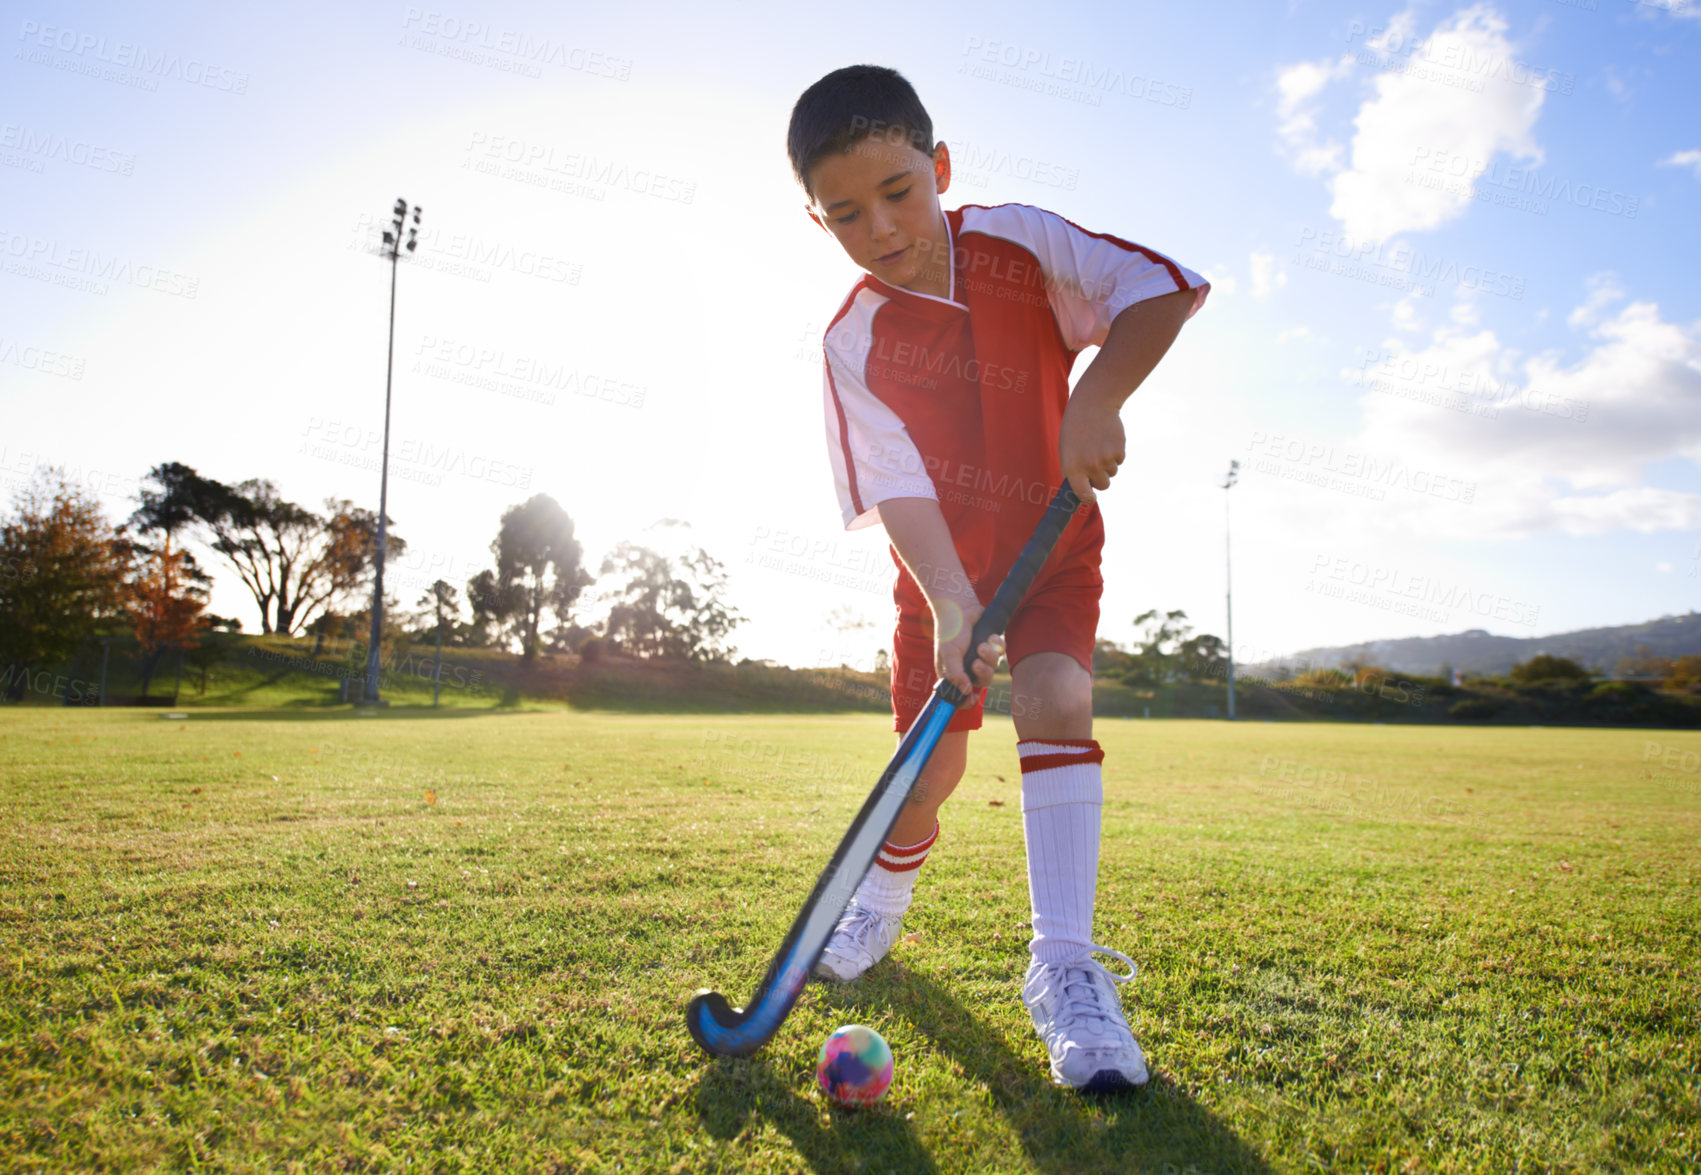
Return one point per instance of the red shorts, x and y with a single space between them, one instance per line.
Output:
1060 614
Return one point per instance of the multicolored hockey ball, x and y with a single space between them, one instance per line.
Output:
855 1066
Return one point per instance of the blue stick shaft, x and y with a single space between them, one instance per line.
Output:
730 1032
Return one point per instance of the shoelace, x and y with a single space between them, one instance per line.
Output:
1073 978
864 920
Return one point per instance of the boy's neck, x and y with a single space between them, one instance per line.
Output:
935 278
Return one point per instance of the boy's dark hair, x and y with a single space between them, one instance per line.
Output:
850 105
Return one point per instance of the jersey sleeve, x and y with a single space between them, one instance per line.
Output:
872 455
1090 278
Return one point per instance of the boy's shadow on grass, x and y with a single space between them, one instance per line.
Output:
733 1092
1156 1128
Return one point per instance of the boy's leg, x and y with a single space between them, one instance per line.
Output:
874 918
1071 997
1062 796
887 887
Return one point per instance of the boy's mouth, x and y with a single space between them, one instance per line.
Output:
889 258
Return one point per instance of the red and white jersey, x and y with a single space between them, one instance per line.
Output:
961 398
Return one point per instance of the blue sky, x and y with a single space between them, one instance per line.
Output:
1454 338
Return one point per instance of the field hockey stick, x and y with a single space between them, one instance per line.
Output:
726 1031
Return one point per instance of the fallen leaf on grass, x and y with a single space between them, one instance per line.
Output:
995 803
912 936
431 797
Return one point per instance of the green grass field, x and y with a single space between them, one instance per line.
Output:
258 941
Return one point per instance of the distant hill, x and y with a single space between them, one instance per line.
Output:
1483 653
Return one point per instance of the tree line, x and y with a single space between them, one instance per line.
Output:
67 573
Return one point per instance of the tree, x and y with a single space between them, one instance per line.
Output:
1111 659
666 611
537 570
441 598
1642 662
164 605
443 603
204 655
1685 673
1203 658
1546 667
61 575
294 562
492 605
1154 657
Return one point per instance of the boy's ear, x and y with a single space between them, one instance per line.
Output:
941 167
816 217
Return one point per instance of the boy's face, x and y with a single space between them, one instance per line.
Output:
880 200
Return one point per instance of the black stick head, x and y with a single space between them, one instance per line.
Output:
712 1020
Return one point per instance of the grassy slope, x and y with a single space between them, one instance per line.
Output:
281 672
274 671
1361 948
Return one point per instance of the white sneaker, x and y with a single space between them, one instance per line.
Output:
860 940
1077 1012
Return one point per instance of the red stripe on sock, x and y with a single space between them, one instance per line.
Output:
918 846
1056 742
1046 762
891 850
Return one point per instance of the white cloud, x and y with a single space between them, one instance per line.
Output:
1663 567
1444 107
1643 509
1690 159
1404 316
1553 444
1266 276
1297 88
1684 9
1288 336
1604 290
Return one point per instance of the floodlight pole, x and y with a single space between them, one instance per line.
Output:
1228 578
393 247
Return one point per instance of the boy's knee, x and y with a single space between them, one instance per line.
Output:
1052 700
941 772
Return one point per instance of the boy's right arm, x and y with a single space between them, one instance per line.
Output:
881 477
918 532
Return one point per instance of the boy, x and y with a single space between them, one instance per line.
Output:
950 421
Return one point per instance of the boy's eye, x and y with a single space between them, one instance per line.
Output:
899 195
845 219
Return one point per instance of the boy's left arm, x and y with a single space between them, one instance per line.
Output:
1091 442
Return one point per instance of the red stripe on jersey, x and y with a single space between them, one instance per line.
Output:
1046 762
1149 254
838 404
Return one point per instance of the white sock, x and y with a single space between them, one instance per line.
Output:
1062 799
891 879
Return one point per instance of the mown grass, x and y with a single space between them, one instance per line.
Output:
255 942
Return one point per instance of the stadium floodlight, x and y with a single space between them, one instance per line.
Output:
1228 579
392 239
